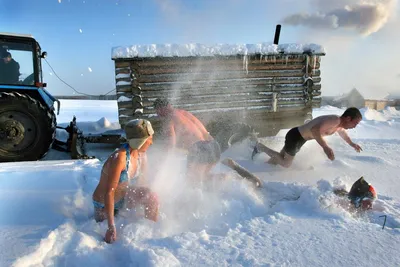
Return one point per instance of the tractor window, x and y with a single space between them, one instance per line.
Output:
16 64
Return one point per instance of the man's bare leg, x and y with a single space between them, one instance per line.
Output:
262 148
282 158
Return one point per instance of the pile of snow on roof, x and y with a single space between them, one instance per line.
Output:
187 50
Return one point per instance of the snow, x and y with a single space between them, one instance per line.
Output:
187 50
124 99
294 220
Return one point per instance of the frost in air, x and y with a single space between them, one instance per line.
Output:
90 69
80 30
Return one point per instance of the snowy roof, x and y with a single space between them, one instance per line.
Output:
16 34
185 50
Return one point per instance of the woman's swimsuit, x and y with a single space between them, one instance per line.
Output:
124 176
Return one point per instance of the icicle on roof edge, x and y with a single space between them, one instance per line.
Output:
190 50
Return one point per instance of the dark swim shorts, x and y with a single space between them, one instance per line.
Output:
293 141
204 152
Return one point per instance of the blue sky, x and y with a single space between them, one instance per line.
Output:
355 58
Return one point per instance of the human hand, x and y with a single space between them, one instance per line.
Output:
329 153
111 235
356 147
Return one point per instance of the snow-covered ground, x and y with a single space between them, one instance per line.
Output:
294 220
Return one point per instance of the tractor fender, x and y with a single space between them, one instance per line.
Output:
37 93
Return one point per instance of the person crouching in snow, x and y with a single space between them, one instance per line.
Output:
362 195
125 166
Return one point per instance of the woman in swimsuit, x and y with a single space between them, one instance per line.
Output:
121 174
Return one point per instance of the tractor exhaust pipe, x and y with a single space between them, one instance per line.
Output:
277 34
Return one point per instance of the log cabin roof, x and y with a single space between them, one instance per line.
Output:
201 50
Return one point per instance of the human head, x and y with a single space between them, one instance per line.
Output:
350 118
139 133
7 57
162 106
362 194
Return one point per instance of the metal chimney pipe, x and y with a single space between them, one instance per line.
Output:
277 34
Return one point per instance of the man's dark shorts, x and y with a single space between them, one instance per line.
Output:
293 141
204 152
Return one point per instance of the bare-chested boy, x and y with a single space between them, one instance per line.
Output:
314 129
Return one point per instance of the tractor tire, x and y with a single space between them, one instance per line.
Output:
227 133
27 128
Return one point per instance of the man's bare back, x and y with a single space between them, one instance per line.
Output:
327 125
188 129
181 128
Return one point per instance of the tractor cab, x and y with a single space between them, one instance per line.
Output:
27 117
20 60
27 111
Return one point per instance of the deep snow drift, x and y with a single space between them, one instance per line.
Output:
295 220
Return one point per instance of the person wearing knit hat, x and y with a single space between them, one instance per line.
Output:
120 177
137 132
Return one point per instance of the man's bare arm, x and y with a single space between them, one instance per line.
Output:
343 134
325 126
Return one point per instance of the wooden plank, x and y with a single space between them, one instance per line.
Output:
122 71
218 76
169 91
227 97
223 90
125 79
198 61
124 89
241 105
146 70
226 83
121 64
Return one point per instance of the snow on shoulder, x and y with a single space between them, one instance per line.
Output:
189 50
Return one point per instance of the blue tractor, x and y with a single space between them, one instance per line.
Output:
27 110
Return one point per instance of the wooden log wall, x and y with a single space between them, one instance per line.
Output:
257 86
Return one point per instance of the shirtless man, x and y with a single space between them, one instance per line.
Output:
121 175
181 128
314 129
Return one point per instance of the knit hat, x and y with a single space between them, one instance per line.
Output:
137 132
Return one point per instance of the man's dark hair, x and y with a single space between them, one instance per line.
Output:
160 103
353 113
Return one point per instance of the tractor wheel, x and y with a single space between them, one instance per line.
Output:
27 128
227 133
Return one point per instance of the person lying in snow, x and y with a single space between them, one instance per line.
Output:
314 129
362 195
121 175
